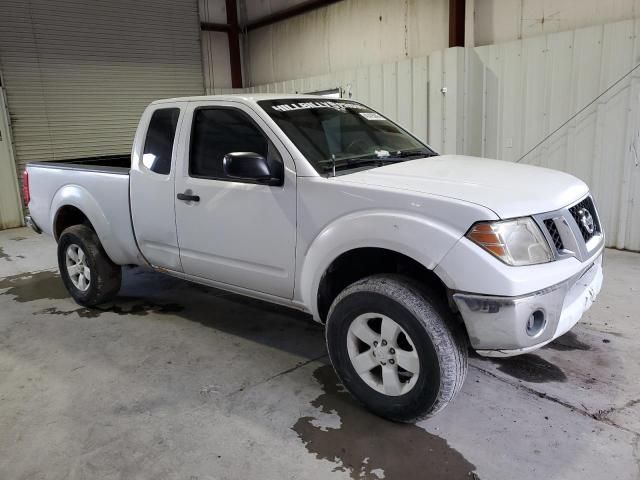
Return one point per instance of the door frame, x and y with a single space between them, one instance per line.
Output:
183 159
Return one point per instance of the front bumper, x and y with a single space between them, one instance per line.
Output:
497 326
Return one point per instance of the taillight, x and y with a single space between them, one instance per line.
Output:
25 187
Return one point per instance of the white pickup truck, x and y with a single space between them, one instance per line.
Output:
328 207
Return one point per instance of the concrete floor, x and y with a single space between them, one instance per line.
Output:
181 381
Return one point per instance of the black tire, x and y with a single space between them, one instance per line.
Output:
440 343
105 276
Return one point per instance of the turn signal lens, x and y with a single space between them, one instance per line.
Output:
515 242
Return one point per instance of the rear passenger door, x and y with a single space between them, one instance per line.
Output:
237 233
152 174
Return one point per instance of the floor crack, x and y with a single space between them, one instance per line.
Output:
600 416
279 374
629 404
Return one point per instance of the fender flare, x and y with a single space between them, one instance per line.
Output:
80 198
394 230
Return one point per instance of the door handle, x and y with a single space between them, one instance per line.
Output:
187 197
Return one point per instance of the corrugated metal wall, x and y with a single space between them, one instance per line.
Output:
520 92
78 90
344 35
10 204
502 100
78 74
215 46
409 91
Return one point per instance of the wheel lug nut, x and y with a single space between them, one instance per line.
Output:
392 351
384 342
392 361
375 343
383 363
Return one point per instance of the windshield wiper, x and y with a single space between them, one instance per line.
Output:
359 160
399 156
391 158
421 152
373 159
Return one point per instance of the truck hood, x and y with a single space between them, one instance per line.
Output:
509 189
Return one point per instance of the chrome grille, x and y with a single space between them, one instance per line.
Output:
554 234
567 230
578 214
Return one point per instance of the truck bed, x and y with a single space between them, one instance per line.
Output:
106 164
98 187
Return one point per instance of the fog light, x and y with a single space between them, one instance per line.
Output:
536 323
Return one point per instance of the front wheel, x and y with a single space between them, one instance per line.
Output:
393 348
87 272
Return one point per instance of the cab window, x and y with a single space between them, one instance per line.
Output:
158 146
218 131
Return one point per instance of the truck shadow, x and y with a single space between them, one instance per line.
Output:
350 446
530 368
146 292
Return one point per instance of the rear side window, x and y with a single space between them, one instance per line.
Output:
217 132
159 143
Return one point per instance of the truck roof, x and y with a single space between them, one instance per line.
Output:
246 97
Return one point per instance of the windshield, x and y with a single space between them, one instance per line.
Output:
342 134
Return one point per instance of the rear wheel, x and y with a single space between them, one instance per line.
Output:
395 349
87 272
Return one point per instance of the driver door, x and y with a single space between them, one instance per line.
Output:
237 232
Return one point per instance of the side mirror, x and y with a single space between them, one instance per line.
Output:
249 166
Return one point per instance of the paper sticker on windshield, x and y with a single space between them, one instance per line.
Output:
372 116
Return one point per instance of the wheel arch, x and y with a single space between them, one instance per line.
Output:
67 216
358 263
73 205
414 242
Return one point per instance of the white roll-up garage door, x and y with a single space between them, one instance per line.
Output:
78 74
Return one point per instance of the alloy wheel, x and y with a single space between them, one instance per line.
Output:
383 354
77 268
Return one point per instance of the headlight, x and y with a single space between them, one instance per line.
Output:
515 242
